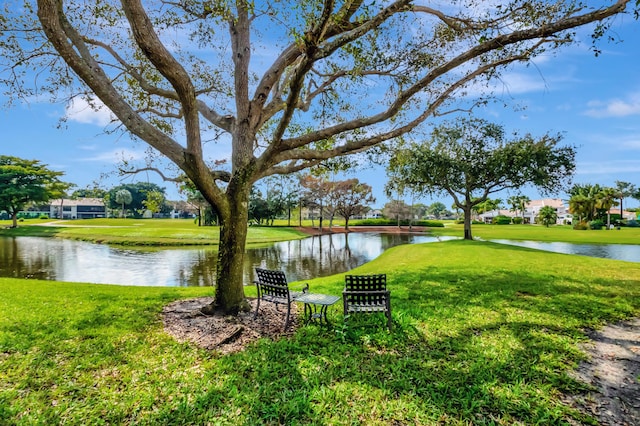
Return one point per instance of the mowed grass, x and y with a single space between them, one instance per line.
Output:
151 232
562 233
483 334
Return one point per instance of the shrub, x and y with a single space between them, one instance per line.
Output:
596 224
394 222
581 226
632 223
502 220
517 221
44 216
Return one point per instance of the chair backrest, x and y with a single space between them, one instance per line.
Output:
376 282
366 289
272 283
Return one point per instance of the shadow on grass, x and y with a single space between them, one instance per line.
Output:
30 231
464 349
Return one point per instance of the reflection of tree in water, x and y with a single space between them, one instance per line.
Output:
391 240
66 260
201 272
15 265
304 259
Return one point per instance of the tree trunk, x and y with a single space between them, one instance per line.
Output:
621 210
230 298
467 224
346 224
14 218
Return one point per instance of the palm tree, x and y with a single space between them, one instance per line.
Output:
606 199
623 190
123 197
547 215
514 204
580 205
583 201
518 203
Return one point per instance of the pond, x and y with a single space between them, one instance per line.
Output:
67 260
628 252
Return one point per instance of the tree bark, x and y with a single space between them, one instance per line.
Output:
229 293
467 223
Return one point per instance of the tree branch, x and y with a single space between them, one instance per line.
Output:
73 50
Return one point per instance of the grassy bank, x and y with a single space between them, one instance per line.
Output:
148 232
563 233
483 333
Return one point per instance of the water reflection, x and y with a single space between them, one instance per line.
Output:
628 252
66 260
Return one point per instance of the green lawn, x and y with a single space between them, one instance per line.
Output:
483 334
153 232
562 233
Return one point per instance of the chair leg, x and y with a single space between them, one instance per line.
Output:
286 322
388 315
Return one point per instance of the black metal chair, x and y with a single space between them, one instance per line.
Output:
367 294
272 286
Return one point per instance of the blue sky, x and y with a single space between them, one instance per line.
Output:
593 101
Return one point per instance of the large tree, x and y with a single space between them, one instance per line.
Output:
352 198
330 78
472 159
26 181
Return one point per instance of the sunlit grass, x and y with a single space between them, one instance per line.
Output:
562 233
483 334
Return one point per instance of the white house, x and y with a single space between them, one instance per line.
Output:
82 208
532 210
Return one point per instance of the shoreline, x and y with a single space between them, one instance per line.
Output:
389 229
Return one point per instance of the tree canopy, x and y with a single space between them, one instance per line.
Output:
591 201
472 159
26 181
140 192
282 86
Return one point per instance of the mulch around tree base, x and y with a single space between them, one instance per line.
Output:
226 334
613 368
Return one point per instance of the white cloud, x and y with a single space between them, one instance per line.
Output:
116 156
96 113
608 167
615 107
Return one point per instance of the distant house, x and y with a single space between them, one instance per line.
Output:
625 214
373 214
487 217
532 210
81 208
